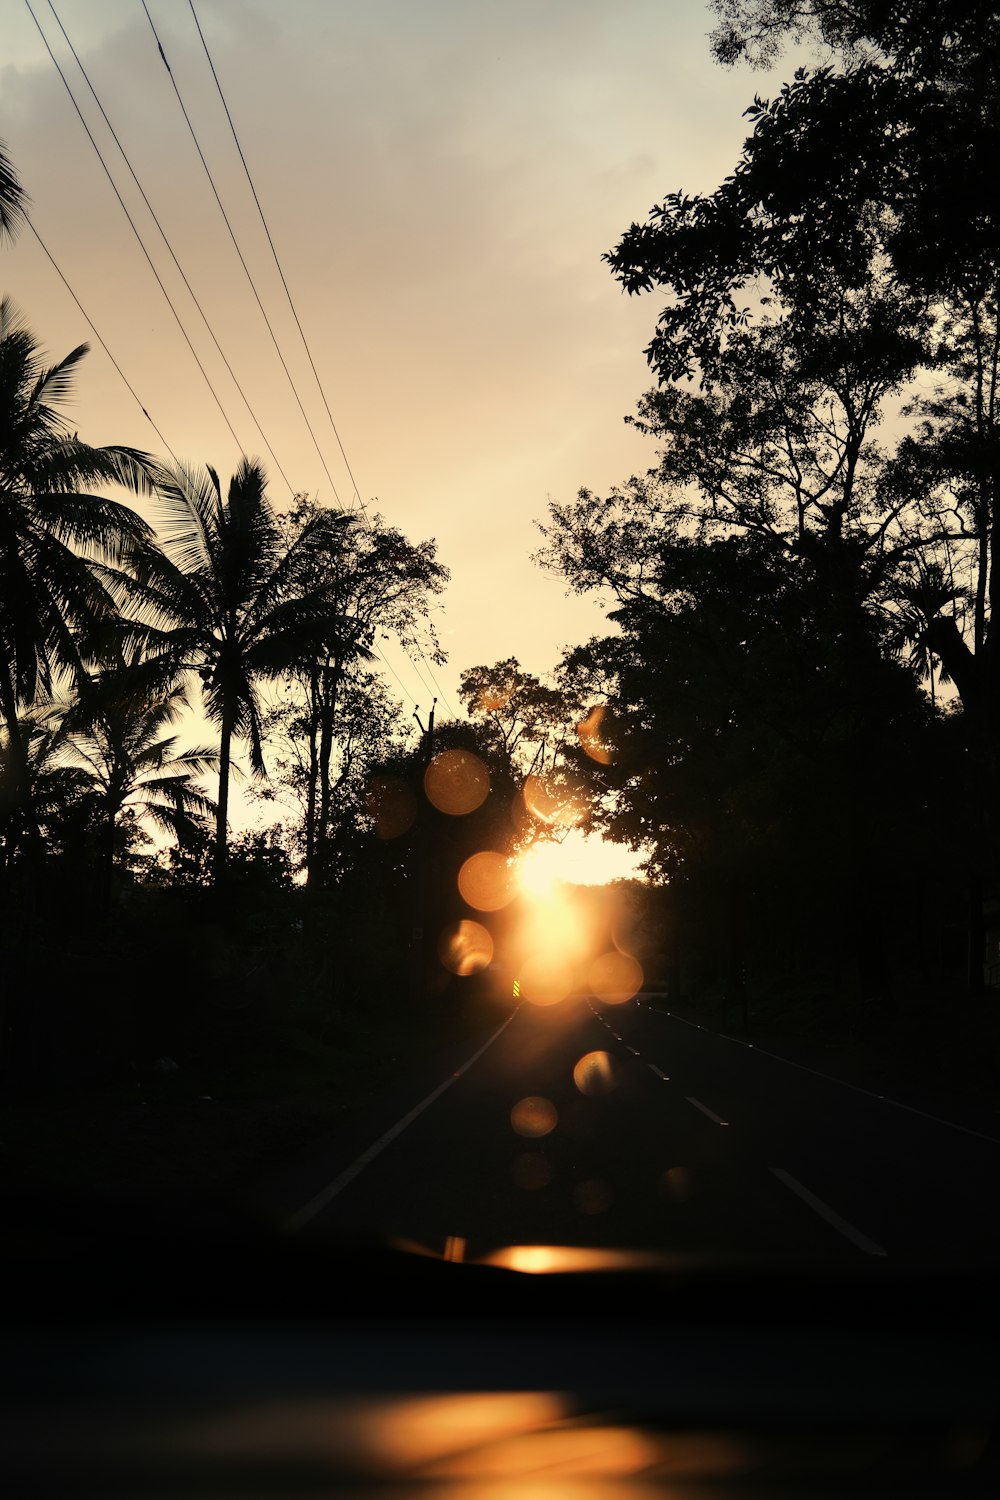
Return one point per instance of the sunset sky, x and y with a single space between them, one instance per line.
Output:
440 179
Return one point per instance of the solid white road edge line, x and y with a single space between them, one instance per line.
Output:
829 1214
327 1194
831 1078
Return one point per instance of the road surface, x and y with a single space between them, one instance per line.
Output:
624 1127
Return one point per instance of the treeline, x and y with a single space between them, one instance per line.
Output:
795 713
804 681
116 634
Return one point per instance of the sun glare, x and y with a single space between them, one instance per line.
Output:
540 869
574 860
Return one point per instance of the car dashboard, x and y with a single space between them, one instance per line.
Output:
244 1363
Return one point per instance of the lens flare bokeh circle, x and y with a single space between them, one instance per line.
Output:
614 977
456 782
465 948
546 980
534 1117
486 881
595 1073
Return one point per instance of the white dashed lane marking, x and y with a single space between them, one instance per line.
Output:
706 1111
829 1214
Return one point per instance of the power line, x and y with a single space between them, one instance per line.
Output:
277 262
253 287
295 315
92 325
170 304
103 345
166 242
135 231
236 246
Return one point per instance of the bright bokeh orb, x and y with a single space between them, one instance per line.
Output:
465 948
534 1116
595 1073
546 979
614 977
456 782
486 881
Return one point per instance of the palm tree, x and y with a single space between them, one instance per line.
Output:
116 733
12 198
54 786
60 544
243 601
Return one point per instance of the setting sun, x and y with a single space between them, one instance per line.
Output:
539 869
574 860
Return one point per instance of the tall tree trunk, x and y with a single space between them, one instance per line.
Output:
22 821
222 813
312 787
107 870
23 832
331 686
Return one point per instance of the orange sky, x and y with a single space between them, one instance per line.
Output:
440 179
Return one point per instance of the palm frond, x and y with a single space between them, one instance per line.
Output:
250 536
56 383
179 790
304 566
186 511
92 524
178 822
66 463
199 761
12 198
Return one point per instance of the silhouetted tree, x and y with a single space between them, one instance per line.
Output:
229 587
59 543
528 720
383 587
769 757
117 734
369 726
866 186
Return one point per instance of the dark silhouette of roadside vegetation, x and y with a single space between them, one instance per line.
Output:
803 679
794 712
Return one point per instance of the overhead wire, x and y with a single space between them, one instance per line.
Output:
291 304
135 231
274 253
236 246
159 280
187 283
96 333
169 246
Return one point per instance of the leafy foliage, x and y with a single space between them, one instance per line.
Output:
232 596
12 197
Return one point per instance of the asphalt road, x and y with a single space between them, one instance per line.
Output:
623 1127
